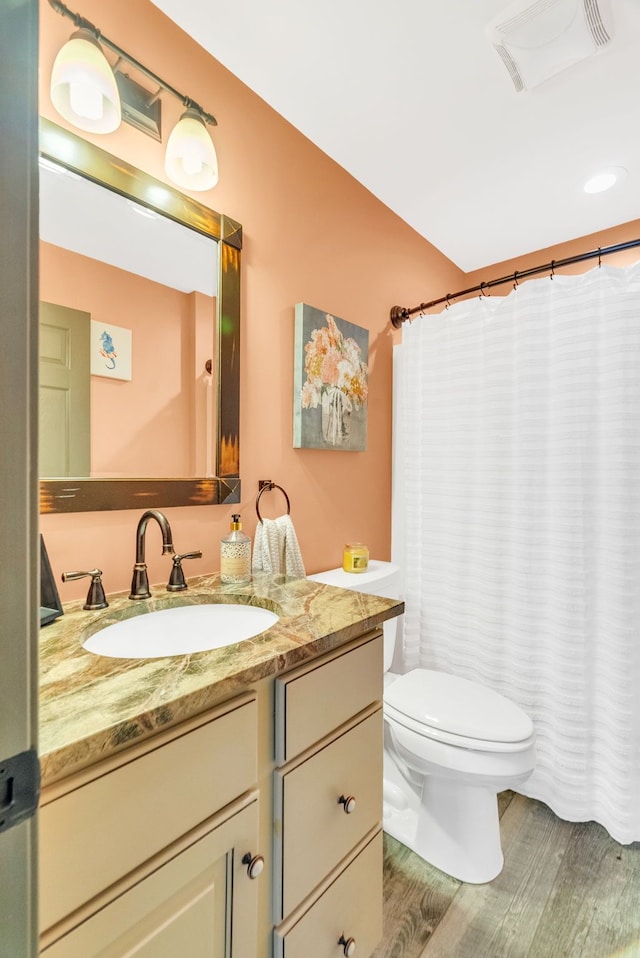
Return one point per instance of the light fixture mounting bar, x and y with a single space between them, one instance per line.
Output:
81 23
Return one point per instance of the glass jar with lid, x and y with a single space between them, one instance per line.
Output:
355 557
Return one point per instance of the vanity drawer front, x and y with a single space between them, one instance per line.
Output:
316 698
316 832
351 907
88 840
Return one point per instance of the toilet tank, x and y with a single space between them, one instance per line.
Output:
381 578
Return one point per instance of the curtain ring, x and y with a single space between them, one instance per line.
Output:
553 269
515 279
599 257
448 301
482 292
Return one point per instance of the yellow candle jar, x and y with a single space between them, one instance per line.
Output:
355 558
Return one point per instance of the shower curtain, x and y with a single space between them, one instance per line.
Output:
517 467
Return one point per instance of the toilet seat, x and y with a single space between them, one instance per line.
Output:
457 712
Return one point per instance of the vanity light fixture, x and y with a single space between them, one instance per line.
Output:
95 96
190 160
83 86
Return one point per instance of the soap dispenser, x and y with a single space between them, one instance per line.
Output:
235 554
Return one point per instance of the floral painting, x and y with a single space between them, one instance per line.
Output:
110 351
330 382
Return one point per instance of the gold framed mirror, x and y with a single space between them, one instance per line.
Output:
220 482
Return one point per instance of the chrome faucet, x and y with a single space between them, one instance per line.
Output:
140 580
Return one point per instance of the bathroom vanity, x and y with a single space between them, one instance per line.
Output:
226 803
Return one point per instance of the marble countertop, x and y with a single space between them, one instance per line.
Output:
92 706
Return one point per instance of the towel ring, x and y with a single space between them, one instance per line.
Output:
268 485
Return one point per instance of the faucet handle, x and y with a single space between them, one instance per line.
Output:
96 598
177 580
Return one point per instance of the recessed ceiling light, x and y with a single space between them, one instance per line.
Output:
605 179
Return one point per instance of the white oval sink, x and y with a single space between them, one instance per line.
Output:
180 630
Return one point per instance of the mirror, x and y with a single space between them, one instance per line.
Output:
194 416
127 315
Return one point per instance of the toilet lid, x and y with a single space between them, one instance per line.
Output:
455 705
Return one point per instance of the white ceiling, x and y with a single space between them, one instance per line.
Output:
411 99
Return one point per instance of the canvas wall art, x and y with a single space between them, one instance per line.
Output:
110 350
330 382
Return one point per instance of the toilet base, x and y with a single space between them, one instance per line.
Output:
399 815
453 826
458 830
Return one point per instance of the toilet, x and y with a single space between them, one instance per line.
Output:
450 745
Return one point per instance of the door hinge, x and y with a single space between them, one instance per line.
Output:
19 788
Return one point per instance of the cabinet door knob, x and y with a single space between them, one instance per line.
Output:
348 945
254 863
349 804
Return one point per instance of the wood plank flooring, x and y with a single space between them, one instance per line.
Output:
567 890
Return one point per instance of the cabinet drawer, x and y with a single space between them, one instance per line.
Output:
351 906
316 698
98 832
315 832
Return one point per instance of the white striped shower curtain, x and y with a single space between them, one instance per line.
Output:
517 466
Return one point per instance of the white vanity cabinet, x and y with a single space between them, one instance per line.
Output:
153 851
328 804
142 855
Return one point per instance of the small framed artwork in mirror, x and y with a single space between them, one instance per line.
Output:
50 604
110 351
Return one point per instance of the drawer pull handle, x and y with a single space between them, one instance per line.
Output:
348 945
254 863
349 805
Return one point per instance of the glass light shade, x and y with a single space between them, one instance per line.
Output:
83 87
190 159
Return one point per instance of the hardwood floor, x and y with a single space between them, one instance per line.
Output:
566 891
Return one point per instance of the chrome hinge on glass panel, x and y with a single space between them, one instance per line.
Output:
19 788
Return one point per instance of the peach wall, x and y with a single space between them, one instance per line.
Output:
312 234
610 237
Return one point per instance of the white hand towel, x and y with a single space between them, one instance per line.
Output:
276 549
293 564
266 548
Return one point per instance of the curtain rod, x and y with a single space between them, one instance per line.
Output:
399 314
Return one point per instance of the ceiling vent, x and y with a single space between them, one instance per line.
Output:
535 40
